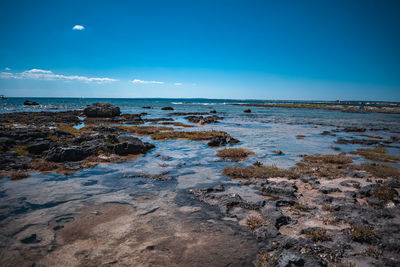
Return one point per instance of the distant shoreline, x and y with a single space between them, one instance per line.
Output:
344 108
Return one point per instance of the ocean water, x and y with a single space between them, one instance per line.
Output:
36 201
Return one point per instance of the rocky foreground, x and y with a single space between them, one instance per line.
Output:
326 211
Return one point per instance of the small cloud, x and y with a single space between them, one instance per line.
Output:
48 75
7 69
78 28
178 83
146 82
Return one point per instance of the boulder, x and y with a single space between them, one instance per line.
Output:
131 145
167 108
63 154
101 109
30 103
39 147
247 110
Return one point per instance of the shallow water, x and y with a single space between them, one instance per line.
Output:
161 215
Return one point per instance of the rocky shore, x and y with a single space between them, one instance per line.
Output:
328 210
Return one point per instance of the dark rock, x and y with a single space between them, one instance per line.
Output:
368 190
350 183
247 111
354 129
131 119
30 103
365 142
75 153
147 107
266 232
167 108
102 110
310 180
278 152
38 147
278 190
290 258
213 111
204 120
105 129
357 174
275 216
222 141
328 190
375 202
131 145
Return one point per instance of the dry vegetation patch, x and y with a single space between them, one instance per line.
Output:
18 175
363 233
317 234
234 153
376 154
328 159
263 171
145 130
380 170
254 221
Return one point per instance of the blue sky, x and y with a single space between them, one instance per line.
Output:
348 50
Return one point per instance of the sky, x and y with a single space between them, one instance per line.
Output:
288 50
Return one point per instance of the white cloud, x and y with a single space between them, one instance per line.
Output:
38 74
146 82
7 69
78 28
178 83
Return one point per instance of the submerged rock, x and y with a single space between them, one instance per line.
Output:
30 103
102 109
167 108
222 141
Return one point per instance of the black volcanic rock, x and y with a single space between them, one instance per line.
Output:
102 110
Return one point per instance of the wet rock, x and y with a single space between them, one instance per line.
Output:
365 142
167 108
131 145
30 103
102 110
105 129
203 120
213 111
39 147
277 152
75 153
42 118
354 129
247 110
222 141
147 107
10 160
132 118
159 177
